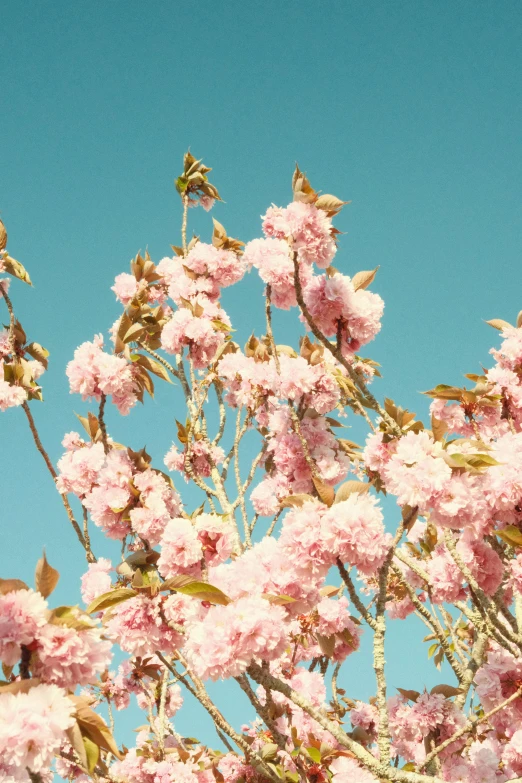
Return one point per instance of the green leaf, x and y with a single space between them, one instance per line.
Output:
11 585
315 754
221 326
201 590
511 535
438 427
112 598
296 501
278 600
38 352
92 752
432 649
72 617
410 695
94 727
445 392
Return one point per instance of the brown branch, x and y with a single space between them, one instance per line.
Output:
101 422
88 552
356 601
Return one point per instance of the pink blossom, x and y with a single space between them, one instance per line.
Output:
446 579
181 550
78 468
503 482
32 728
266 568
265 497
334 619
224 267
224 642
138 627
309 229
483 562
207 202
353 530
174 700
416 473
198 333
515 567
271 257
159 502
92 373
22 614
202 457
302 538
347 770
333 302
365 715
10 396
68 657
125 287
96 580
216 537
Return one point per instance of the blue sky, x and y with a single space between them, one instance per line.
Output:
411 110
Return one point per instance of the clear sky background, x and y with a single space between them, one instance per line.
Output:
412 110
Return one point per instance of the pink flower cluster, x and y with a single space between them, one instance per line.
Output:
140 627
224 642
266 569
308 228
201 334
202 458
194 283
68 657
292 473
96 580
352 530
254 384
411 723
120 498
93 372
11 396
23 614
60 654
32 729
334 304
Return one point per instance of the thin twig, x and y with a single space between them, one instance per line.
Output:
88 552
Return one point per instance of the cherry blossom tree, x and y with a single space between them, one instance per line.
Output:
287 562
